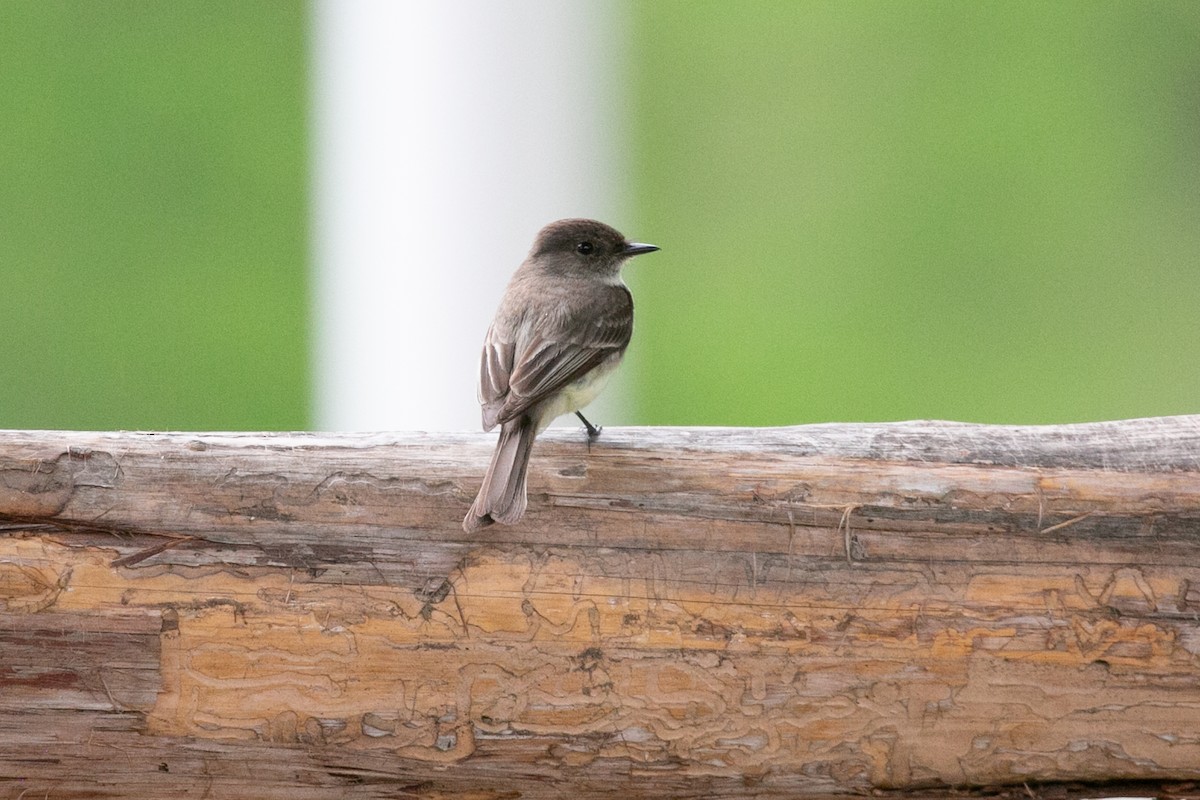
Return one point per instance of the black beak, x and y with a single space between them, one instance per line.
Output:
637 248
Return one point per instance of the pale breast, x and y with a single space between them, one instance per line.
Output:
577 394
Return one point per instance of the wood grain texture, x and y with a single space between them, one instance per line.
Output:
805 611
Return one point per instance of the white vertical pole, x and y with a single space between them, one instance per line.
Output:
445 135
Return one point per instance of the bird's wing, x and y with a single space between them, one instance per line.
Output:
495 368
517 376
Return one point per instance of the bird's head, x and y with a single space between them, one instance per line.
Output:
584 247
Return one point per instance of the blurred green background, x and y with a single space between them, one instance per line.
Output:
869 211
879 210
153 178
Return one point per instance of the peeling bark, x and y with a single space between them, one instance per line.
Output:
786 612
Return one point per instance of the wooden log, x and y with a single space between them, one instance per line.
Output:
789 612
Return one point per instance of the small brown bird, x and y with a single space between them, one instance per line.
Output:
562 327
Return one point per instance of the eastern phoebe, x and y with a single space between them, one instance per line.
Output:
561 329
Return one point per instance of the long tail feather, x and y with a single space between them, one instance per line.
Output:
502 498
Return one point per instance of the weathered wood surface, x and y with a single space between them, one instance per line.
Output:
683 613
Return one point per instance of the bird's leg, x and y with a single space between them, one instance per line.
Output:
593 431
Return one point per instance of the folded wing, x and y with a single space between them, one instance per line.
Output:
516 376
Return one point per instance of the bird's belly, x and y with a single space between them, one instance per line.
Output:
579 393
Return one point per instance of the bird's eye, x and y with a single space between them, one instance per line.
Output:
584 248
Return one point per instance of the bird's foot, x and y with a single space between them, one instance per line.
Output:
593 431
